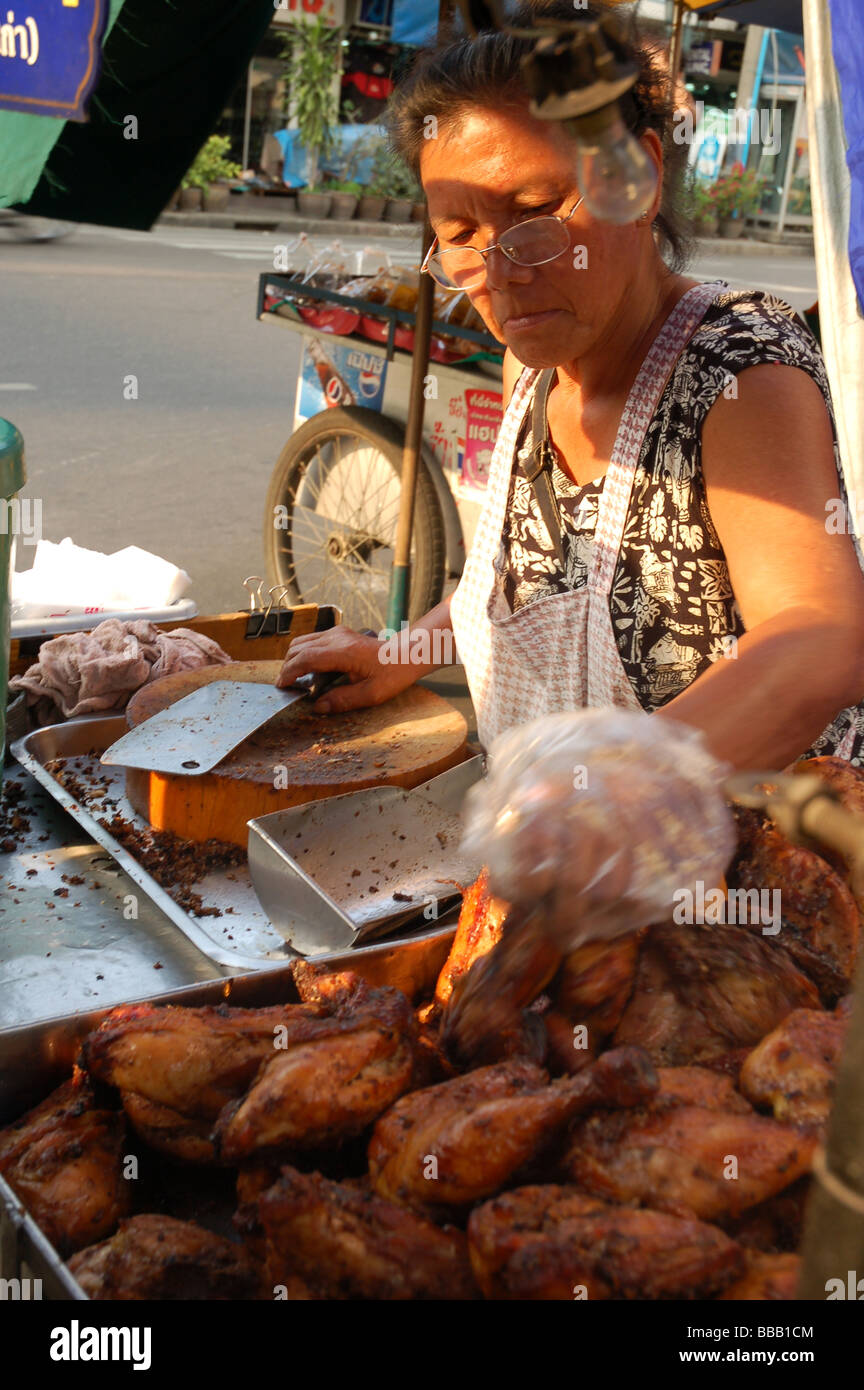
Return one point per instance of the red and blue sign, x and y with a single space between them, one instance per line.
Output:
50 55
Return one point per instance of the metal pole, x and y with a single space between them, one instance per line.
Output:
400 578
247 117
675 48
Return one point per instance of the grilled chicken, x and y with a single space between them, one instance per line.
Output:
774 1226
316 1094
176 1068
709 1090
481 922
772 1277
686 1159
588 997
158 1257
701 993
820 921
451 1145
847 784
344 1242
555 1242
65 1161
791 1071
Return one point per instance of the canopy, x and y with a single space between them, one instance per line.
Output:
171 66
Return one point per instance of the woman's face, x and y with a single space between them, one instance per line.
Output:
492 168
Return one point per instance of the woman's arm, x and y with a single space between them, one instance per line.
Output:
769 471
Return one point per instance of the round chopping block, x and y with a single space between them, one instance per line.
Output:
298 756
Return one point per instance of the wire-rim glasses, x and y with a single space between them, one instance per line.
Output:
533 242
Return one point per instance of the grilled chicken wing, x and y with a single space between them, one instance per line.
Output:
685 1159
555 1242
820 920
588 997
791 1071
344 1242
773 1277
65 1161
318 1093
451 1145
702 992
158 1257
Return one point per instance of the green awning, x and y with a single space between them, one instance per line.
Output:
170 64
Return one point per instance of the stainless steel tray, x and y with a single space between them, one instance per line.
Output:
38 1057
242 938
336 872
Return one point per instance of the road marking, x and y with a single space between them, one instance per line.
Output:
17 386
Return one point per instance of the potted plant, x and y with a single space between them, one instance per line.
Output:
404 191
373 200
205 181
346 195
736 195
313 50
704 209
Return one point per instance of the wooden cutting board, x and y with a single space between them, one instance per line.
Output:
299 756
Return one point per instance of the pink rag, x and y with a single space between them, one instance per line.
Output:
84 672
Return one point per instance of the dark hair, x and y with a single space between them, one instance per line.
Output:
485 71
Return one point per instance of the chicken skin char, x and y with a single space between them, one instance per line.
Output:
676 1159
64 1159
553 1242
343 1241
791 1071
482 1129
703 992
319 1093
155 1256
323 1068
820 918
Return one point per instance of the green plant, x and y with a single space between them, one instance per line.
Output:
343 186
391 177
211 164
312 51
738 193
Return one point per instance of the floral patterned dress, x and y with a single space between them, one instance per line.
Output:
672 606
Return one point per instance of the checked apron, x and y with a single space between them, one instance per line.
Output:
559 652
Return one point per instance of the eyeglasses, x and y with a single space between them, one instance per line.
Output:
535 242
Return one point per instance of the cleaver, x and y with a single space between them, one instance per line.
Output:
194 734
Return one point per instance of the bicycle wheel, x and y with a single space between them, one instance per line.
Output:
331 516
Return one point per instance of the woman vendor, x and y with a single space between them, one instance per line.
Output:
681 562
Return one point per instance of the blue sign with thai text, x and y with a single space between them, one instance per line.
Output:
50 55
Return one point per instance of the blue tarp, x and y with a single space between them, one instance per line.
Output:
847 41
415 22
294 172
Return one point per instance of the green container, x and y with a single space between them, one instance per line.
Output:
12 479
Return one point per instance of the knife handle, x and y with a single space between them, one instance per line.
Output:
317 683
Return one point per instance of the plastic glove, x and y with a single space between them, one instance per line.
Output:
603 815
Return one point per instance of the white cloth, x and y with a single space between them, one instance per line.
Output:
67 578
559 653
841 327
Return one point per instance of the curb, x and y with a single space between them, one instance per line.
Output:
745 246
281 221
287 222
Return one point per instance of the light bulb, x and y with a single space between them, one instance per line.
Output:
614 174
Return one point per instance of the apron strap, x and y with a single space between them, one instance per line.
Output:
538 470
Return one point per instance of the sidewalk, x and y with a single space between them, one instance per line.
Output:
277 220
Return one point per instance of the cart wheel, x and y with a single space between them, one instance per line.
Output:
332 510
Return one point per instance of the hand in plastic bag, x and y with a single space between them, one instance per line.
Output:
601 816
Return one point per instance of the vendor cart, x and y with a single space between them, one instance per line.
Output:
332 508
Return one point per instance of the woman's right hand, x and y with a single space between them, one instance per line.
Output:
371 680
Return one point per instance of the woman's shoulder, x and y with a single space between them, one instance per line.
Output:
746 327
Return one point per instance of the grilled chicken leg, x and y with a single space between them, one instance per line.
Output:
450 1145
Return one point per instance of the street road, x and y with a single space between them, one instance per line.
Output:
183 469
